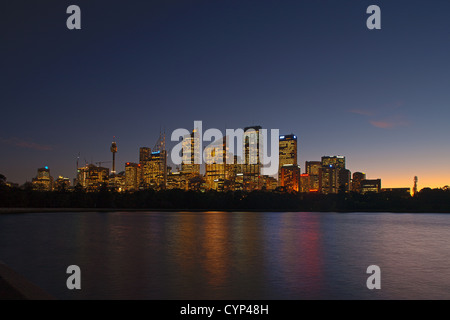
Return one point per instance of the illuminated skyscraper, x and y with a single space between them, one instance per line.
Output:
312 168
336 161
333 175
218 174
305 182
62 183
290 177
328 179
144 154
252 164
190 164
132 174
358 177
93 178
287 153
43 180
154 165
154 170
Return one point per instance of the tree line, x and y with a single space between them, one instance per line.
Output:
427 200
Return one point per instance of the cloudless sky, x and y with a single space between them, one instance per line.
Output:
379 97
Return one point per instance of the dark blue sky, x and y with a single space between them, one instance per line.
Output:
379 97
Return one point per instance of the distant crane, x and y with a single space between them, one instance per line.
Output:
100 162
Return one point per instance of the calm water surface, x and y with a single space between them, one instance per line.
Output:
239 255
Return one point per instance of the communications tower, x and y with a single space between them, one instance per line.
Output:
114 150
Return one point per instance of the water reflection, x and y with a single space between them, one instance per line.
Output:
240 255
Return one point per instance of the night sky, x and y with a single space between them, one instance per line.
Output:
379 97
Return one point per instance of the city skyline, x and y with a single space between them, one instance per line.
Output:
145 152
379 97
329 175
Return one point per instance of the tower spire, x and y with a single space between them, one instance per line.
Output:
415 185
113 151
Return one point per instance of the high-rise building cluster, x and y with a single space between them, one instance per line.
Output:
327 176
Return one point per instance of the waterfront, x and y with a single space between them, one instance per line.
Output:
231 255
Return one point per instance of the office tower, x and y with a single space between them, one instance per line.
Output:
154 170
144 154
336 161
287 152
305 182
312 168
62 183
290 177
117 181
344 180
239 182
269 183
236 175
154 165
177 180
190 164
328 179
358 177
218 174
132 174
336 165
252 161
92 178
370 185
43 180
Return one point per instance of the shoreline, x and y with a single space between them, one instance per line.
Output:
56 210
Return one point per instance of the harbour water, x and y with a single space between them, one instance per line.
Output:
231 255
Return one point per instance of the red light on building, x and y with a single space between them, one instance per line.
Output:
304 175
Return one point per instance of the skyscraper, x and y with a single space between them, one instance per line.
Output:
144 154
154 170
305 182
290 177
336 161
218 174
190 164
132 174
328 179
287 152
62 183
43 180
344 180
252 161
358 177
334 173
154 165
312 168
93 178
